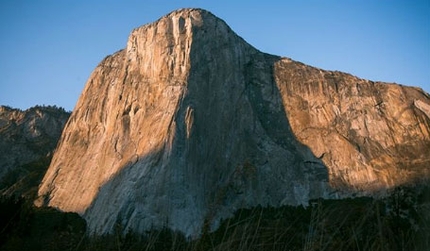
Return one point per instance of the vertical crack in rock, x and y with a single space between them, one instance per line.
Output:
189 119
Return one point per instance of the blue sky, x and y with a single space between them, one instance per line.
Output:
48 48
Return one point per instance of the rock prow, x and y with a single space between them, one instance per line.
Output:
189 123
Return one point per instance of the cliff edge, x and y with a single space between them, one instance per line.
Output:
189 123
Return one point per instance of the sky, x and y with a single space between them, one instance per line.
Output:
48 48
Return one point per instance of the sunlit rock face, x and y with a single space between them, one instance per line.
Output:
190 123
370 135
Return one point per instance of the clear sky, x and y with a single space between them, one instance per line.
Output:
48 48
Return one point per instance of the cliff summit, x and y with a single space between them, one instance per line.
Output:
189 123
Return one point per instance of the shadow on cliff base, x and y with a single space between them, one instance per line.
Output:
264 97
255 223
154 177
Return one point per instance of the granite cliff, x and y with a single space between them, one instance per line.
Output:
27 141
189 123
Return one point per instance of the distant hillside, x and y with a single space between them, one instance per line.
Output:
27 141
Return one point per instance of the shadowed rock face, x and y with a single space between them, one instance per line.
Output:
190 123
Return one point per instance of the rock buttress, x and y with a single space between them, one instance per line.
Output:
190 123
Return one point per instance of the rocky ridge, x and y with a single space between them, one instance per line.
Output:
189 123
27 140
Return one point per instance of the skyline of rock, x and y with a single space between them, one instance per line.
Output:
189 123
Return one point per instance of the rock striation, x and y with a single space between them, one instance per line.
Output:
370 135
189 123
27 138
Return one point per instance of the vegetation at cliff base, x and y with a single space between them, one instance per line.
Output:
398 222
